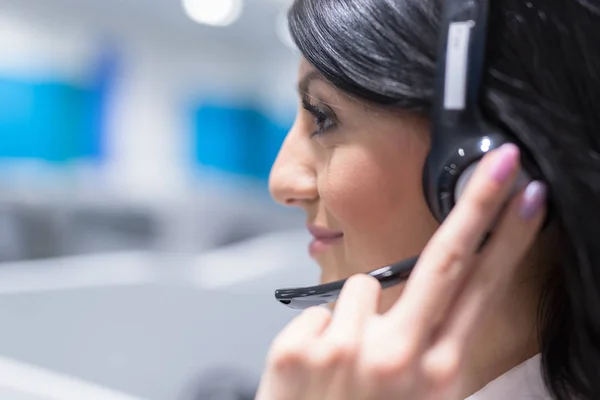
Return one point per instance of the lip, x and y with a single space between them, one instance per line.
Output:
323 239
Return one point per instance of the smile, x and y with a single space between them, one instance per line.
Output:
324 239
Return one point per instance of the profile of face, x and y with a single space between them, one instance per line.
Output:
356 170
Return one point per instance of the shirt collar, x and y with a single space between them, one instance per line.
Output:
522 382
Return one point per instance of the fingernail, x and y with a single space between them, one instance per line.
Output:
505 162
533 200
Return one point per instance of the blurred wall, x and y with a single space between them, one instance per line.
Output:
134 75
126 108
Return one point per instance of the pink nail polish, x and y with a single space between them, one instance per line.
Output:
534 198
505 162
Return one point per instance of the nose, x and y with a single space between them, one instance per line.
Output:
293 179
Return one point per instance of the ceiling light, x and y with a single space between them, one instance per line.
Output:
213 12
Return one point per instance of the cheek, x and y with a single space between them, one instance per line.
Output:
378 202
357 185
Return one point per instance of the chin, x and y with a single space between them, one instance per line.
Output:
328 276
323 279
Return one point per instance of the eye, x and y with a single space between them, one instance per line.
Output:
325 119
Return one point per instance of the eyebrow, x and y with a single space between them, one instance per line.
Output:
307 79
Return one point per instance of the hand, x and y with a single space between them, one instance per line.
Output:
416 349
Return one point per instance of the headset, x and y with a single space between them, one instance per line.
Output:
460 136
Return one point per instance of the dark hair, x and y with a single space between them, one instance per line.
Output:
542 85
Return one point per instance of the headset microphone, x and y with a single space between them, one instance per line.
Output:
460 136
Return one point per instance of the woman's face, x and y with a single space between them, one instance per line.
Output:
356 171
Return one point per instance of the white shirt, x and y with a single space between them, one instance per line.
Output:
522 382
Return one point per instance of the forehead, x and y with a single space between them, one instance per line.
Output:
304 68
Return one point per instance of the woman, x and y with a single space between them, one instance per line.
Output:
521 319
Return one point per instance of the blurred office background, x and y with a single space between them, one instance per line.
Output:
139 248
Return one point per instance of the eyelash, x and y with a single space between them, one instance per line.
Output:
325 120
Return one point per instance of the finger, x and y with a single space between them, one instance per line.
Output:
446 260
293 341
357 302
309 324
288 372
333 359
506 249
